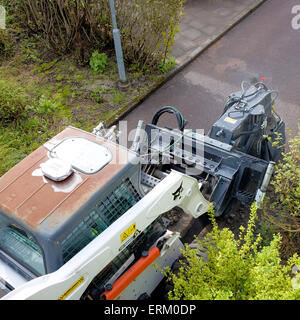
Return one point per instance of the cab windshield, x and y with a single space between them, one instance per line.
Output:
21 246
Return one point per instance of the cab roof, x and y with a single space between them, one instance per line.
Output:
34 200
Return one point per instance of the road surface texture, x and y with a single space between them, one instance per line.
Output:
206 21
262 45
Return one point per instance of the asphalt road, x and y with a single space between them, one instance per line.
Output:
262 45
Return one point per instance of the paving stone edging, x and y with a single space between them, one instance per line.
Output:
185 61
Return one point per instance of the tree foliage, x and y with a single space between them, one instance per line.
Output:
282 208
235 269
286 180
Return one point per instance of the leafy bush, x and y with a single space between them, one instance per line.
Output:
13 102
9 9
58 21
282 208
9 36
286 180
241 269
98 61
6 43
147 27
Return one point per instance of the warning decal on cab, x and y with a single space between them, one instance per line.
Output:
126 234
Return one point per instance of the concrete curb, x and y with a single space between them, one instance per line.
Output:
185 61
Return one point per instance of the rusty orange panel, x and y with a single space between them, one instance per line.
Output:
40 205
21 167
33 198
20 189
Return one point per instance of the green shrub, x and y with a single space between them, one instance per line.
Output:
13 102
282 207
98 61
286 180
6 44
236 269
9 8
147 27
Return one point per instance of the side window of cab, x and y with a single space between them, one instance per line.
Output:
21 246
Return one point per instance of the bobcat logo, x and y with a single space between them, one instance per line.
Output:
178 192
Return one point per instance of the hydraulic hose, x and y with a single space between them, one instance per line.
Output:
131 274
172 110
238 101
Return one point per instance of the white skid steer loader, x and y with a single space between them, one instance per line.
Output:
83 217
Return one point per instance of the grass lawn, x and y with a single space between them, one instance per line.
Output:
47 95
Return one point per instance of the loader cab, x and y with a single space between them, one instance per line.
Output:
46 219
